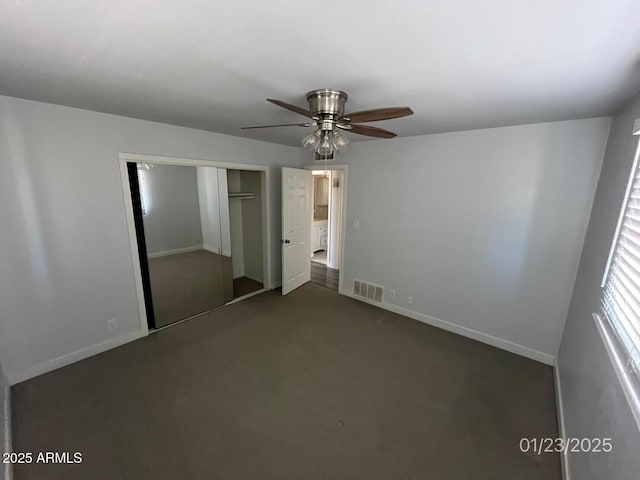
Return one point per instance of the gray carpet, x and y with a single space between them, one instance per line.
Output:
186 284
244 285
308 386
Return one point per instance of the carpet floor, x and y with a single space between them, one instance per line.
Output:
309 386
185 284
245 285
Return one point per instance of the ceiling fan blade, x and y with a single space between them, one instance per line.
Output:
279 125
378 114
293 108
367 130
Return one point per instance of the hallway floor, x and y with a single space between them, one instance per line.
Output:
320 257
324 276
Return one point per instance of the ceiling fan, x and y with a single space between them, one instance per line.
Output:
326 110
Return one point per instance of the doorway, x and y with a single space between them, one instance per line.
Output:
326 231
199 232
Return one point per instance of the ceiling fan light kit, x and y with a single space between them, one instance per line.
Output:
312 140
326 109
325 142
340 141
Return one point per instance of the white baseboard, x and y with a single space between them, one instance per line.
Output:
211 249
6 441
72 357
564 464
208 248
175 251
244 297
460 330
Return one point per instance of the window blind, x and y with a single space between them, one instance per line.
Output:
142 189
619 321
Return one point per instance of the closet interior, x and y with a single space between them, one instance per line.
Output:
245 220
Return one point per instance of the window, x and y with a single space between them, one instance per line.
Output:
619 320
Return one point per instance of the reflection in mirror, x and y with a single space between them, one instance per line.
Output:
181 213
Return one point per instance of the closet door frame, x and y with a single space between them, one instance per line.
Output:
141 243
125 158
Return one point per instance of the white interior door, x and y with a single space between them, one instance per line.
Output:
297 216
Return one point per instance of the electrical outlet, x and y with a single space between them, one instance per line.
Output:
112 324
392 294
409 299
356 224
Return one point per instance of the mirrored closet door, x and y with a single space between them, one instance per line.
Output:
199 232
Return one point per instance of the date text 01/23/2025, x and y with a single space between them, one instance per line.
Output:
41 457
564 445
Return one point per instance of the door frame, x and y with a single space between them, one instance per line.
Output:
344 168
125 158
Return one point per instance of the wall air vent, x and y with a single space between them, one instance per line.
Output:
368 290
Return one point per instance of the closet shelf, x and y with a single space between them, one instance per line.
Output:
242 195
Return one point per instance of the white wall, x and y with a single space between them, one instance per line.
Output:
237 240
209 208
593 402
482 228
66 265
172 221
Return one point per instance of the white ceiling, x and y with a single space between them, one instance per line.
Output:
460 64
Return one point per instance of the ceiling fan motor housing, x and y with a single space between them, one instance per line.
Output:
327 105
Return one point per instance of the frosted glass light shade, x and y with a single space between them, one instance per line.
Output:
326 146
312 140
340 142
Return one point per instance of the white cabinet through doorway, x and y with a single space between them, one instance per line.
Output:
319 235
